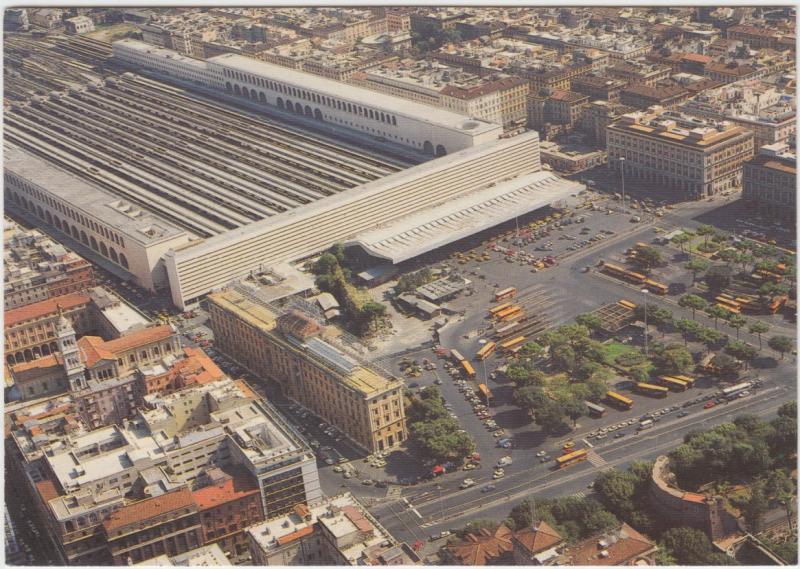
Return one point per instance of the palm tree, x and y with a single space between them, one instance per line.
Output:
716 312
758 327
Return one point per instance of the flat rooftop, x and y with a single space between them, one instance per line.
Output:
435 227
395 105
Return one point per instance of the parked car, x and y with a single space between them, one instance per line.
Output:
709 405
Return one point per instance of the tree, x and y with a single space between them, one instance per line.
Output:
532 350
574 409
741 351
781 344
688 546
718 278
729 256
716 312
648 257
728 366
706 231
673 359
372 311
737 321
337 250
745 259
681 239
688 329
755 508
591 321
697 265
692 301
759 327
707 336
326 264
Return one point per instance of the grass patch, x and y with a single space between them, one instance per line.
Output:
614 350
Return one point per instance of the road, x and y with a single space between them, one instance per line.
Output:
451 508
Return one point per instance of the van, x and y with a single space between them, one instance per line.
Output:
646 424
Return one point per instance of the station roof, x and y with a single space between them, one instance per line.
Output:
432 228
387 103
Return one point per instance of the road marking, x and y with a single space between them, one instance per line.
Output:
587 443
596 460
579 494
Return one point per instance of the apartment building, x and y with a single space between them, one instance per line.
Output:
768 111
667 94
38 268
83 476
554 77
500 101
730 72
597 115
571 159
770 183
688 154
638 73
163 525
561 108
296 351
756 37
337 531
599 86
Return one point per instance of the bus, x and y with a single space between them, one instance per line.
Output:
468 369
655 287
729 308
595 410
506 329
456 355
650 389
672 383
486 350
734 390
689 381
573 457
509 345
500 307
517 312
509 292
485 393
510 311
619 400
776 304
623 274
627 304
641 245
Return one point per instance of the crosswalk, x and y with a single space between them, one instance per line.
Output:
394 492
596 460
579 494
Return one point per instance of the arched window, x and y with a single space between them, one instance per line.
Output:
309 112
236 90
93 243
440 150
75 232
123 260
103 249
48 217
84 239
113 255
262 97
427 148
40 212
228 87
318 114
280 103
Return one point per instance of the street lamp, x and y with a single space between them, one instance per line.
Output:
644 293
622 172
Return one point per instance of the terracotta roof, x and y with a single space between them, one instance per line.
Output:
308 530
53 360
567 96
93 350
139 338
355 516
753 30
45 308
47 490
149 508
729 69
240 485
660 92
629 544
696 57
538 539
482 547
298 325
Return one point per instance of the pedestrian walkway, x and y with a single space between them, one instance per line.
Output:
596 460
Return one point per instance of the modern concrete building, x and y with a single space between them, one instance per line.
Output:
433 132
296 351
769 183
337 531
688 154
88 475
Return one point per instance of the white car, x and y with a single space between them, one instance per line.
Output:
467 483
541 453
498 474
505 461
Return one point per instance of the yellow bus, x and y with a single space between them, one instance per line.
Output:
573 457
516 312
689 381
509 345
623 274
468 369
627 304
619 400
509 292
495 309
456 355
510 311
486 350
656 287
650 389
486 393
672 383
